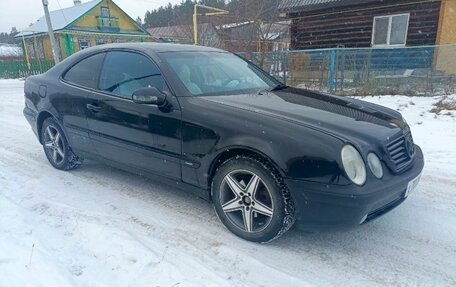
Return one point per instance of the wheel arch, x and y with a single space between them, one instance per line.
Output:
42 116
231 152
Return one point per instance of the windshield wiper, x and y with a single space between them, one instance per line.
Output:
275 88
279 87
263 90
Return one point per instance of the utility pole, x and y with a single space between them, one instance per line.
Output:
55 48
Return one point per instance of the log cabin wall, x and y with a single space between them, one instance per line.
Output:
351 26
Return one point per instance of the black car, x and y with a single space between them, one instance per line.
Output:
265 154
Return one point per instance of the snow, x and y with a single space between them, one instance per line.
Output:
234 25
98 226
59 18
10 51
436 134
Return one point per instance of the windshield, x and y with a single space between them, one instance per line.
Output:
215 73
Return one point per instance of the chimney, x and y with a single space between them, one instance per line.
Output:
77 2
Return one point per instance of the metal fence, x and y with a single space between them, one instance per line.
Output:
426 70
13 68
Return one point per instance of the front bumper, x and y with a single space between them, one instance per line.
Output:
322 207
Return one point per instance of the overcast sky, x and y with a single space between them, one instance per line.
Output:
20 13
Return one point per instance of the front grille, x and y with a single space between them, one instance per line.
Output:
401 150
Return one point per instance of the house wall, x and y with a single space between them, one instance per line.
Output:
73 41
447 24
445 59
351 26
47 48
62 46
89 21
36 42
87 28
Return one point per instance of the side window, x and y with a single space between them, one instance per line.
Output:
125 72
85 73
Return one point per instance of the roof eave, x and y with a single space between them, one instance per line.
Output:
315 7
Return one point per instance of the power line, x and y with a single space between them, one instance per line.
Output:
61 11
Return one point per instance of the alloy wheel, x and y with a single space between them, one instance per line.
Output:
246 201
54 145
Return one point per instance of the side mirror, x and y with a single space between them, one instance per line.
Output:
149 96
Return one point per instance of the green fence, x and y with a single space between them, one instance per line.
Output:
12 69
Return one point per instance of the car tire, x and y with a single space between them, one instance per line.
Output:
56 147
251 199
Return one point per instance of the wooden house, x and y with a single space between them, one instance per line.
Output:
370 23
317 24
81 26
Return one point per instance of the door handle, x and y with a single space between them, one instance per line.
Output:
93 108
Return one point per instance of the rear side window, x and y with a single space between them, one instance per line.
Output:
125 72
85 73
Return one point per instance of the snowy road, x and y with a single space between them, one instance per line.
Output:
97 226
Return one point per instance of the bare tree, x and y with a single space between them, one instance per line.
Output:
251 25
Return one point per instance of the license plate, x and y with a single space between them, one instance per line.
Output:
412 185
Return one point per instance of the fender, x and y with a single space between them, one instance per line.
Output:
226 152
40 120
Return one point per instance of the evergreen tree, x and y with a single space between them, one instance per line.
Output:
240 10
8 38
139 21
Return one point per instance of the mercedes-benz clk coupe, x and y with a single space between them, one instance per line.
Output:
265 154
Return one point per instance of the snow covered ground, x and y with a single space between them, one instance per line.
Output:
97 226
10 51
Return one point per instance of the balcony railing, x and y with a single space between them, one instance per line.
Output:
108 24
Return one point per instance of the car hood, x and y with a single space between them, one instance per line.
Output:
339 116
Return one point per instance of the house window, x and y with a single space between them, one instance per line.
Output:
60 48
83 44
390 30
31 50
41 49
101 41
105 12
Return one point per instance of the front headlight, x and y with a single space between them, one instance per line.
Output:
375 165
353 164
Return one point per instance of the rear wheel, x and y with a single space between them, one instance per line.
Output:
56 147
251 199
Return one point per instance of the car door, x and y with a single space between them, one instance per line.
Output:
142 136
77 83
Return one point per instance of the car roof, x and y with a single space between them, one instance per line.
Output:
145 47
156 47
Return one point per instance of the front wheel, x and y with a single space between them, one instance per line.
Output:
251 199
56 147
